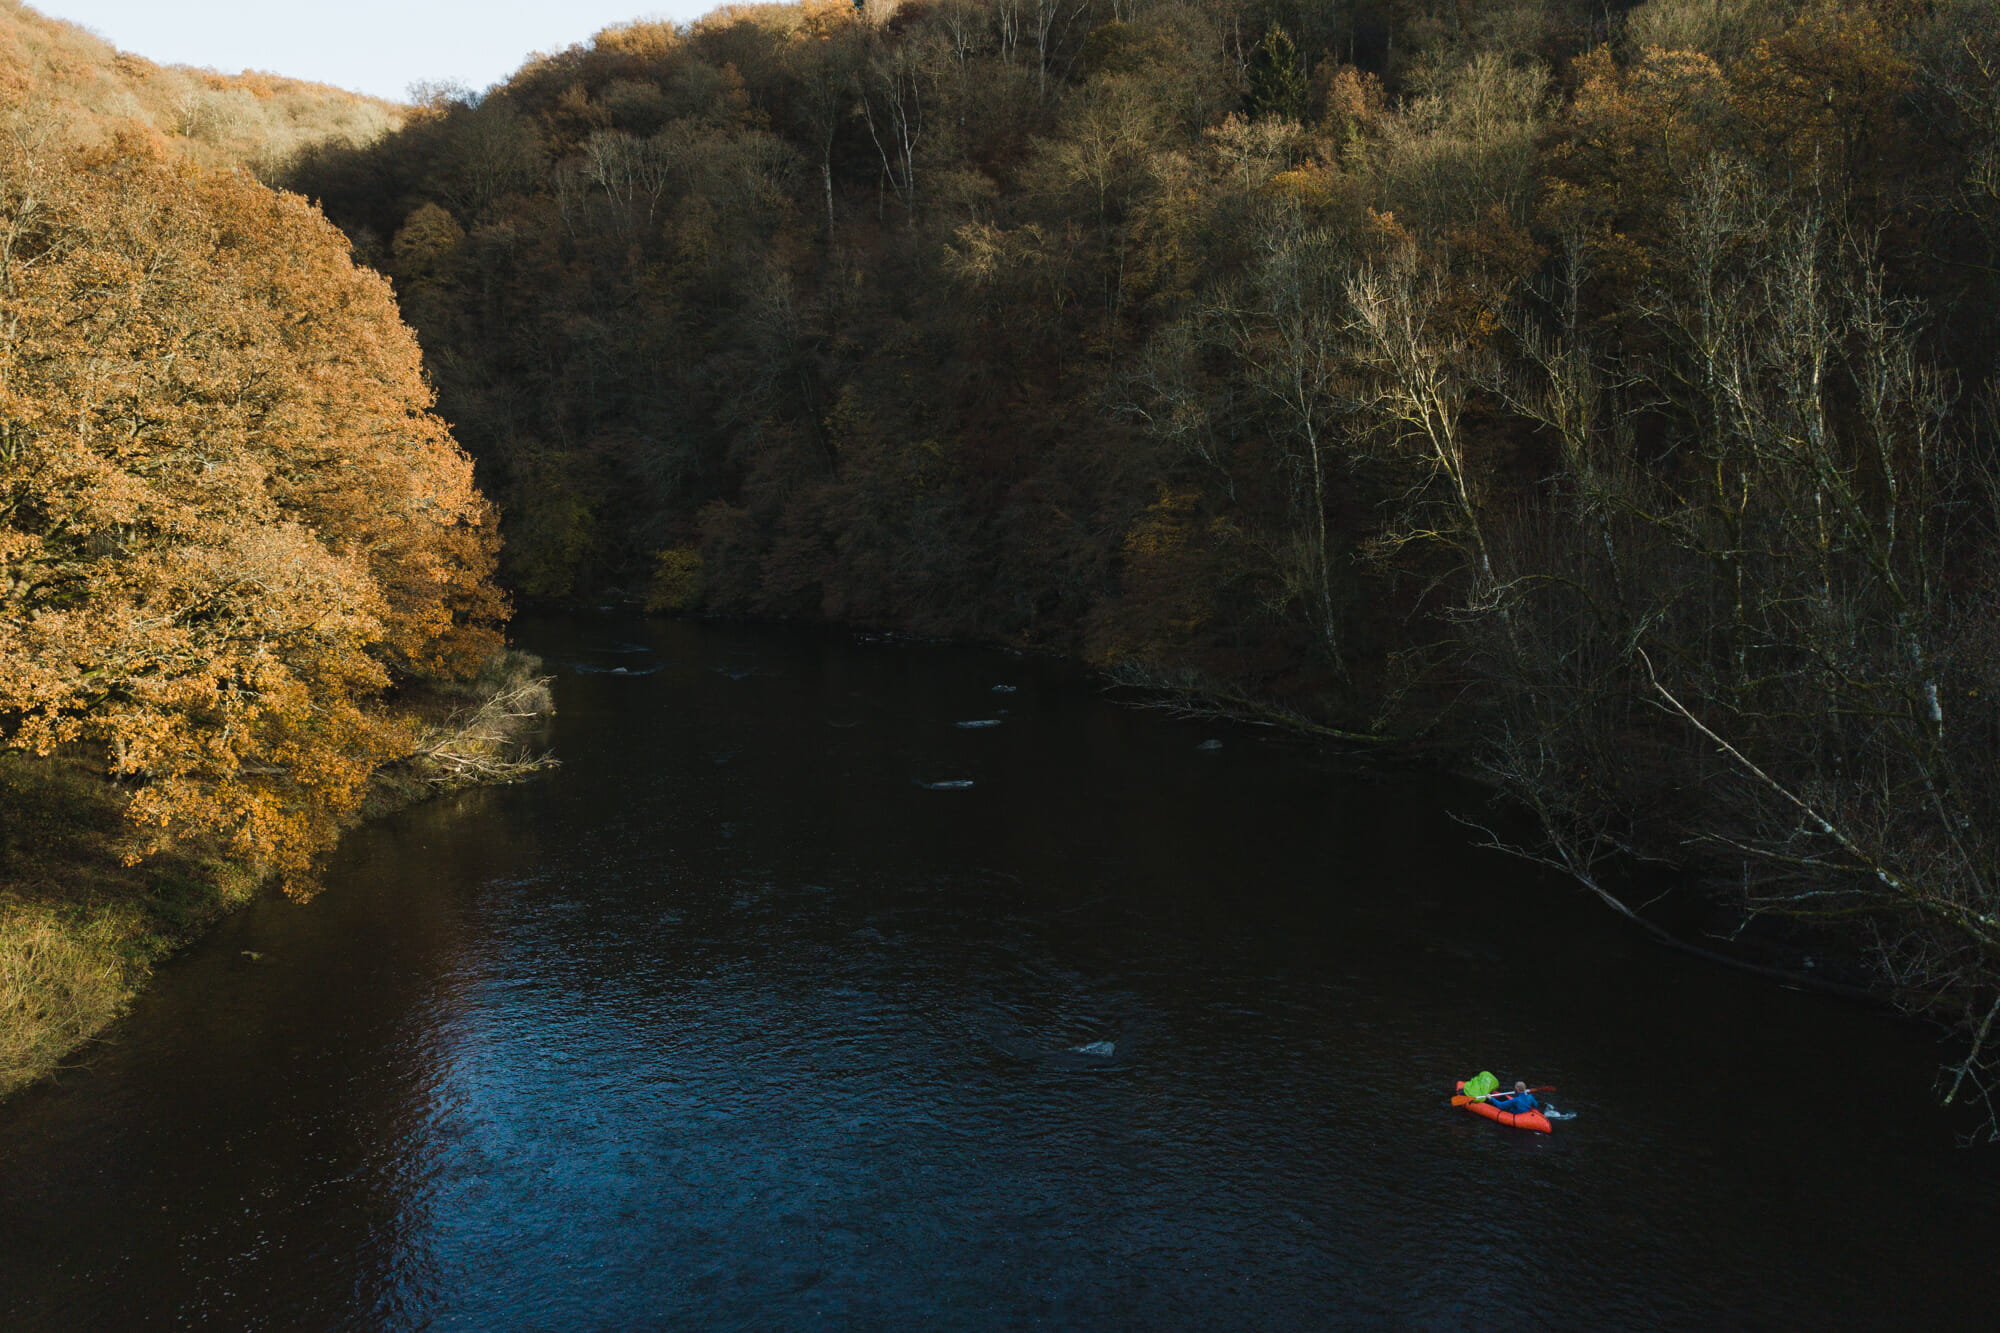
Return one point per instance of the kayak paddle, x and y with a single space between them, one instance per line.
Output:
1461 1099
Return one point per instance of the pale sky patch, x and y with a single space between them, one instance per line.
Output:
379 47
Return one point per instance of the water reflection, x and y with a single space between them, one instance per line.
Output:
742 1020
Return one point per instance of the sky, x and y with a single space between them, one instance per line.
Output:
370 46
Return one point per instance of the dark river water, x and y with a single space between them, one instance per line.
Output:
745 1018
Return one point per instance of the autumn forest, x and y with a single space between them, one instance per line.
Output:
1601 400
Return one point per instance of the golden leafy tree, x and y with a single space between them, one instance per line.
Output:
228 517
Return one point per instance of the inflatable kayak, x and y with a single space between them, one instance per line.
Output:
1534 1120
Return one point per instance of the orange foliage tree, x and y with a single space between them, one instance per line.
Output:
228 518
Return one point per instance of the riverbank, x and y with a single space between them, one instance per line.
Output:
81 930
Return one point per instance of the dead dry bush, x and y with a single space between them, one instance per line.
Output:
491 739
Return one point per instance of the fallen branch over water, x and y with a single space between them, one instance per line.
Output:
485 744
1188 694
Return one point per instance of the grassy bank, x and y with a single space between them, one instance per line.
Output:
80 930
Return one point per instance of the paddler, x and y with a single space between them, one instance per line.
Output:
1514 1103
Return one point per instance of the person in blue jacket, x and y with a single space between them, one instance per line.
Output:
1515 1102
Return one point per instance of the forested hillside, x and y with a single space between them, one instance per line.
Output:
1605 393
249 119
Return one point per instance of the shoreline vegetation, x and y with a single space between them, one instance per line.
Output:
81 928
247 586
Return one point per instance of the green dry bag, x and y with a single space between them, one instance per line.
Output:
1480 1084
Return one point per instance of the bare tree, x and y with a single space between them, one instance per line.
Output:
1420 367
633 173
825 63
1749 656
1288 332
895 83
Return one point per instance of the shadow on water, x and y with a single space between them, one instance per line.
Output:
791 1001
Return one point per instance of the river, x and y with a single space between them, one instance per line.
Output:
792 1002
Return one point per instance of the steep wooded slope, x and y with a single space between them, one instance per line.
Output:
248 119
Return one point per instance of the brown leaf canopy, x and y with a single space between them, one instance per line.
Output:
228 517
